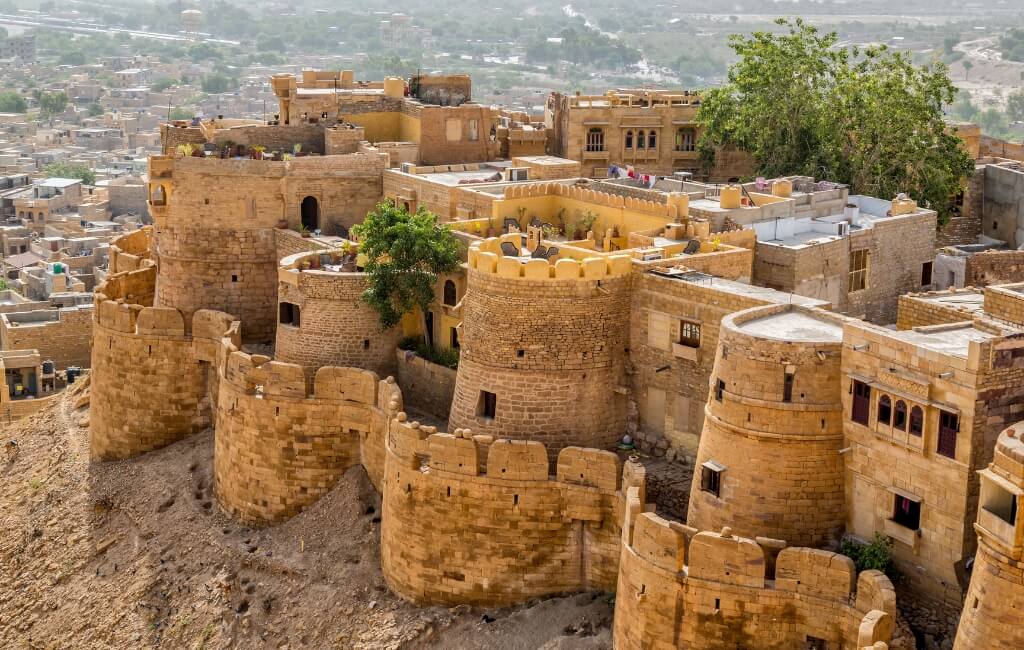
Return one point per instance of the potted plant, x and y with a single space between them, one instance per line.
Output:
490 226
586 223
303 230
186 149
256 152
297 149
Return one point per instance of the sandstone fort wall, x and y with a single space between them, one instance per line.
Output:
678 588
491 526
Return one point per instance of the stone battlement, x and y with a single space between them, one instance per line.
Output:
533 534
487 257
672 210
466 454
713 590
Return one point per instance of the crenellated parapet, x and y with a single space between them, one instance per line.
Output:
282 441
680 588
150 389
492 525
671 210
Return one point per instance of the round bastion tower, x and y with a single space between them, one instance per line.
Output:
995 599
214 238
768 463
323 320
542 348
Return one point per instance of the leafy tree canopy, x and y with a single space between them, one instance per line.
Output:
405 253
53 103
69 170
868 118
12 102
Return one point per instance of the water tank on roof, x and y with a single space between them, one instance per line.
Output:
48 367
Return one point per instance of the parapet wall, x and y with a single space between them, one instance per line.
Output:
280 447
679 588
335 326
147 388
482 522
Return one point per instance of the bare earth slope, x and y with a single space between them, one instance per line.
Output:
136 554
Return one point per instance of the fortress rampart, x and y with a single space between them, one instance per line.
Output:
491 527
768 462
149 391
279 447
328 323
542 349
678 588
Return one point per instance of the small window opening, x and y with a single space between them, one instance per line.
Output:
906 512
487 404
787 388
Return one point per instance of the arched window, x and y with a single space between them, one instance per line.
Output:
640 141
916 421
884 410
652 140
451 294
159 195
899 419
629 139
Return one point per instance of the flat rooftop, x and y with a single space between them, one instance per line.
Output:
971 300
734 287
954 341
793 326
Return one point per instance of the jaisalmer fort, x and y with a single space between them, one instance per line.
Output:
702 399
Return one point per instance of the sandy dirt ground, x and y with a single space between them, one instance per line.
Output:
136 554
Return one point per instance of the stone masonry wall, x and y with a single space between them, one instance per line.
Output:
783 474
994 267
215 241
678 589
277 448
483 523
915 311
671 402
147 389
429 387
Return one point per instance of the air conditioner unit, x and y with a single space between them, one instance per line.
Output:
519 173
407 168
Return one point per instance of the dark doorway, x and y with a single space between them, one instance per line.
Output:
310 213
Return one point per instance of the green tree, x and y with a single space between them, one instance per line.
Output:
12 102
950 41
405 253
1015 105
181 114
70 170
74 57
53 103
868 118
95 110
217 83
968 65
162 84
